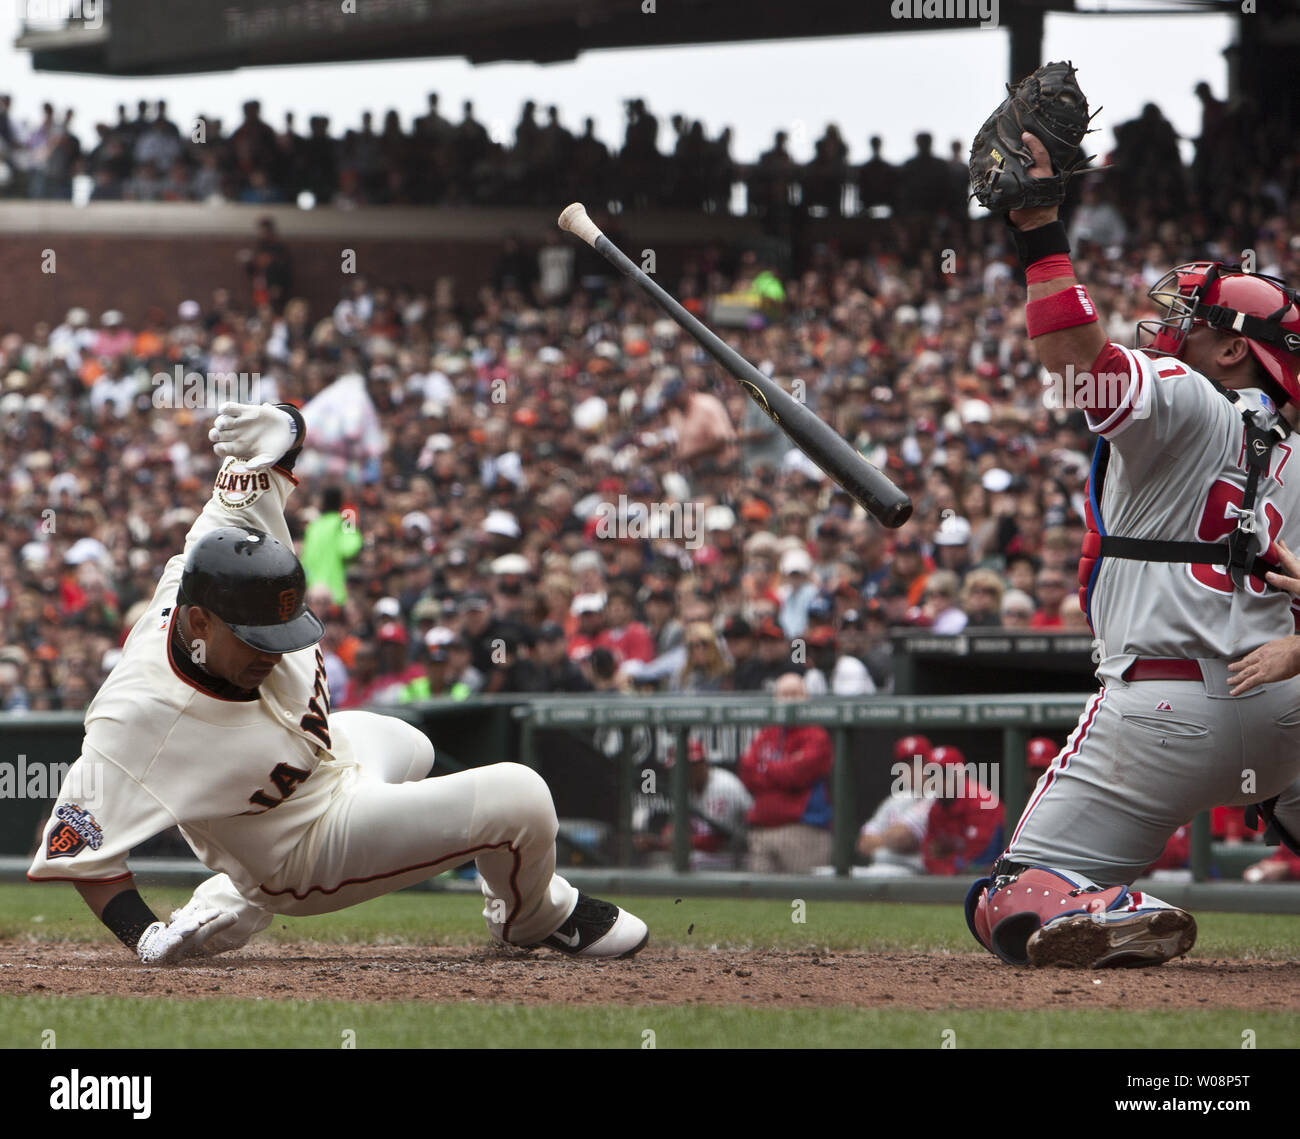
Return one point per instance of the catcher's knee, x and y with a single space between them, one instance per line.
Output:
1004 912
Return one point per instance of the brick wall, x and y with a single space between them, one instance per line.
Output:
132 256
134 273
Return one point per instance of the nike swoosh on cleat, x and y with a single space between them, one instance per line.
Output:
571 942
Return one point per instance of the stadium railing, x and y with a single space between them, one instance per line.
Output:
604 757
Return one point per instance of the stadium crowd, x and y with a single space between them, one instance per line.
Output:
437 160
501 496
531 491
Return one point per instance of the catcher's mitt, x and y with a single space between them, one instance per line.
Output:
1049 105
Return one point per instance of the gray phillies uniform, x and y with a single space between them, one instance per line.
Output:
1147 755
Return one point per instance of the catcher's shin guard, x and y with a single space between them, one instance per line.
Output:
1043 917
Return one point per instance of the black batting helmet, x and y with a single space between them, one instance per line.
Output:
255 584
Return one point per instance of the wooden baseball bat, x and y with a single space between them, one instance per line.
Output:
812 435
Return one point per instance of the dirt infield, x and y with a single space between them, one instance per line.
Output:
679 976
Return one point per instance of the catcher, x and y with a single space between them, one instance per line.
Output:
217 719
1189 495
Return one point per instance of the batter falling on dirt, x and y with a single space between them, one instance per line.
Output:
217 720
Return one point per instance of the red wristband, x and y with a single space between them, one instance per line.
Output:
1066 309
1049 268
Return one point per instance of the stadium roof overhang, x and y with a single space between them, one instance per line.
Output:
151 37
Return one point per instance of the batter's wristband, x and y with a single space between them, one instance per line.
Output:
128 917
1034 244
1067 309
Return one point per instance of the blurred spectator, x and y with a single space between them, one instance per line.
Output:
831 670
939 609
269 267
797 590
981 599
924 182
436 681
877 179
589 611
1280 866
719 805
700 424
706 669
330 541
625 636
482 632
1050 589
963 831
1017 610
787 770
891 839
560 674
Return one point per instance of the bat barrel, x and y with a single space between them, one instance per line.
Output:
817 439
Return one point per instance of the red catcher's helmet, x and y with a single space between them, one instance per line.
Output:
1039 752
1262 309
910 746
947 755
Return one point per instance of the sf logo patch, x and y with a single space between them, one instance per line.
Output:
288 602
75 830
64 842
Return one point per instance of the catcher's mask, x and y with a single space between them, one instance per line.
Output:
255 584
1262 309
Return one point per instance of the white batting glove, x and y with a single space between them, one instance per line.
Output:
257 434
163 944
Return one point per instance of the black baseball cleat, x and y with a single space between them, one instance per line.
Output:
1090 941
598 929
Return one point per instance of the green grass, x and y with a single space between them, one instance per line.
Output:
129 1022
53 911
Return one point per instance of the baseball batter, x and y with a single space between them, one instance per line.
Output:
1193 483
217 720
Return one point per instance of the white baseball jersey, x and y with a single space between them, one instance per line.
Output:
724 799
900 808
268 762
1175 471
